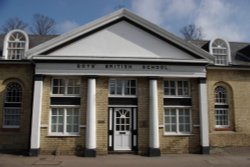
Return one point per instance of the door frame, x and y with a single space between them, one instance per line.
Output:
134 128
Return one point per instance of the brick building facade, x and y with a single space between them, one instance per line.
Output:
122 84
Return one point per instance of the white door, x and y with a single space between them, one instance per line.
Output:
122 129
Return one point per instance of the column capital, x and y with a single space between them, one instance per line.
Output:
38 77
153 78
92 76
202 80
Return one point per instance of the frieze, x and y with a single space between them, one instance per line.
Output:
121 66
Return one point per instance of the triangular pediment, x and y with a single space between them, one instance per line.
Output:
126 36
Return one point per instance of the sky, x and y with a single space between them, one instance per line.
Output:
227 19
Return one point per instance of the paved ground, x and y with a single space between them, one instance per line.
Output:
228 158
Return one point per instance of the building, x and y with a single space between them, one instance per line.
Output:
122 84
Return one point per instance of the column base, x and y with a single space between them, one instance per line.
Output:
34 152
154 152
89 153
205 149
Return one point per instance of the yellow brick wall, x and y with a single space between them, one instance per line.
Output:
102 115
168 144
16 139
143 115
64 144
238 83
180 144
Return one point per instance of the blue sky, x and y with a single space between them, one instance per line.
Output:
228 19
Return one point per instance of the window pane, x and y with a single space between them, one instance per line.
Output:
122 87
12 117
184 120
221 116
112 87
220 95
53 128
170 120
53 119
13 93
57 120
72 120
73 86
180 114
16 46
58 86
118 87
176 88
60 128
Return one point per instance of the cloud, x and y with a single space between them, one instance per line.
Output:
218 18
175 9
149 9
66 26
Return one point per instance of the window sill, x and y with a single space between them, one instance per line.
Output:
10 129
121 96
63 95
223 129
178 134
178 97
63 135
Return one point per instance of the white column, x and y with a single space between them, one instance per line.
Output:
154 144
36 116
203 116
91 118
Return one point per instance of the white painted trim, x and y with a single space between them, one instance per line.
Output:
44 126
134 118
178 134
91 115
203 106
122 106
134 140
82 126
120 59
154 141
166 106
63 95
6 39
110 118
65 106
36 115
64 133
123 88
122 96
73 69
66 84
178 97
229 57
178 75
110 18
175 80
161 126
177 121
110 140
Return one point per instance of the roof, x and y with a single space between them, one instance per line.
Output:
39 50
34 40
240 51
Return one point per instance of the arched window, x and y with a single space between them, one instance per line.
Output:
221 107
221 50
12 105
16 43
